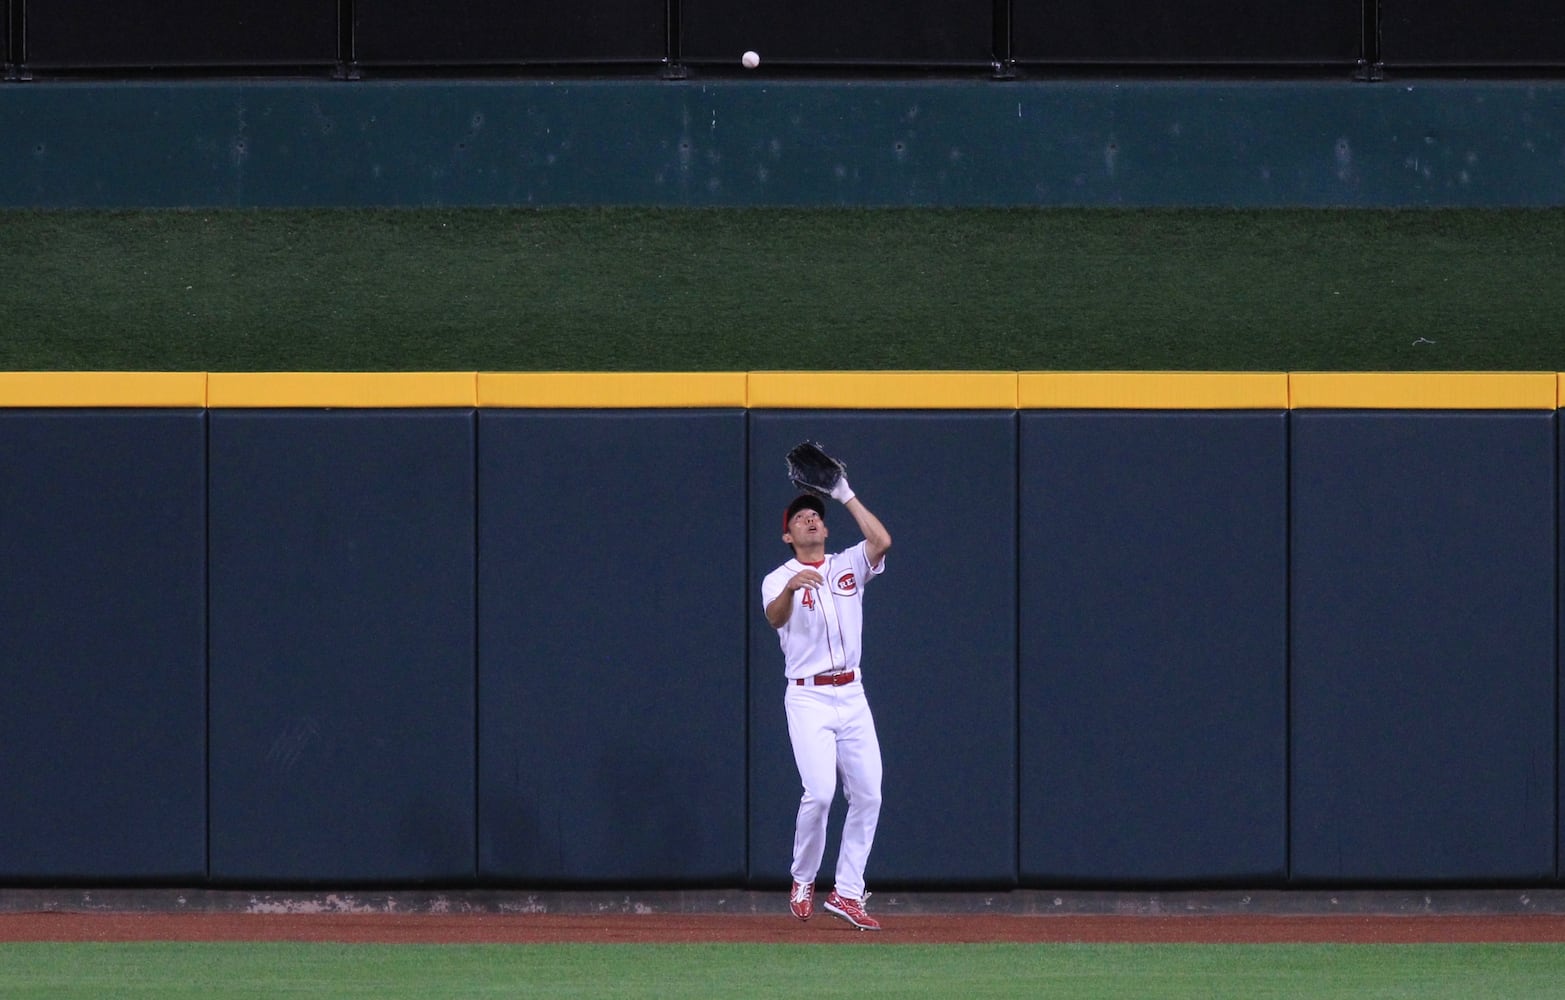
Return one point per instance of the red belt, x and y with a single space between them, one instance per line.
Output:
826 680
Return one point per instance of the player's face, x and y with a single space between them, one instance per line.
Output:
806 528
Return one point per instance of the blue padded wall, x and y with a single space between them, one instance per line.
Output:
1559 630
939 641
1423 677
1153 667
1249 646
342 645
103 645
611 646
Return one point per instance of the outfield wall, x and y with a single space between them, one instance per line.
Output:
458 629
725 142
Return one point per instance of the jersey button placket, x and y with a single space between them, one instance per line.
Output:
833 629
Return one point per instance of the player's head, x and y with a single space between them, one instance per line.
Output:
797 519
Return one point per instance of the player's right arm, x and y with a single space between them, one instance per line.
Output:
780 608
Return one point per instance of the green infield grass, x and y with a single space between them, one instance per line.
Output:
766 289
870 969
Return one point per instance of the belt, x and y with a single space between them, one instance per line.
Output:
827 680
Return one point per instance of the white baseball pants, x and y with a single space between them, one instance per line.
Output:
833 733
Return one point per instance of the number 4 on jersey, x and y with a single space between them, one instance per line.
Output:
809 598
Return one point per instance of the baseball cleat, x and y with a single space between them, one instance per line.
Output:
851 910
802 900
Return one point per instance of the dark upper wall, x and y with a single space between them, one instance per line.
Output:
931 102
346 36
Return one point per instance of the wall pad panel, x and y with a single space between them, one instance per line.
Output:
611 646
342 645
103 645
939 640
1423 611
1153 646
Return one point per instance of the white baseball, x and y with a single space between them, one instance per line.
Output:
750 59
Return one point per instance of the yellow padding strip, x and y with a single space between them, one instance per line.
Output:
611 389
1425 390
883 390
1153 390
341 389
928 390
88 389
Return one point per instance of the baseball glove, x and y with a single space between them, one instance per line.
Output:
814 471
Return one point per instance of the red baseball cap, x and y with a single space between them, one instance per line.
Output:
801 502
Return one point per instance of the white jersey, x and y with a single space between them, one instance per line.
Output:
825 630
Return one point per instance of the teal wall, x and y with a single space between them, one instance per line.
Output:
770 142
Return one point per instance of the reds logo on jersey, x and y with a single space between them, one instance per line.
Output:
846 585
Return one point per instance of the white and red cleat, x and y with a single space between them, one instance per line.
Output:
802 900
851 910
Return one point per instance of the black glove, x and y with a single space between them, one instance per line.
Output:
814 471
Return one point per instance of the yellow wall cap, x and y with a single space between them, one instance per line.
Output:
347 390
1153 390
792 390
1424 390
611 389
87 389
883 390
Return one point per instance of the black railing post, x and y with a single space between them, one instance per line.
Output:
8 52
1004 62
16 61
1370 66
347 47
673 63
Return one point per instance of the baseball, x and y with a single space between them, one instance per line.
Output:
750 59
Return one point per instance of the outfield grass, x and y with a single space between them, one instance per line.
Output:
1082 972
743 290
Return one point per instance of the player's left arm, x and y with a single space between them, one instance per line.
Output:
876 538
